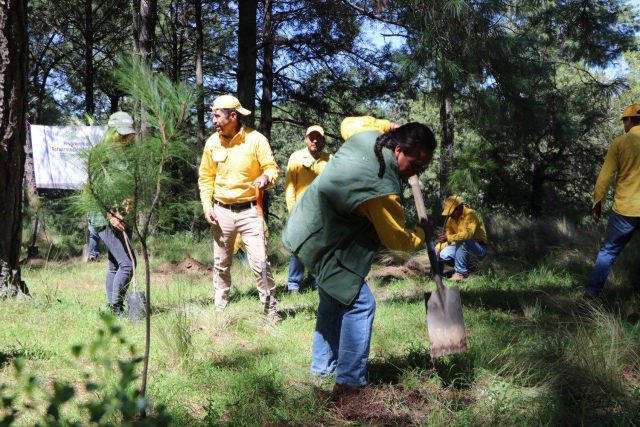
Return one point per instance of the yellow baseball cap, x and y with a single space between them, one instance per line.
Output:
632 110
229 102
450 204
314 128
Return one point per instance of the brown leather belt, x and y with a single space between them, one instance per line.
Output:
236 207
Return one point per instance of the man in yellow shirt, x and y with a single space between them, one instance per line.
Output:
623 163
303 167
236 160
464 237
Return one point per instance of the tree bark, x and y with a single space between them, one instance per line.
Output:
144 32
147 29
88 58
199 74
14 59
266 103
247 55
33 199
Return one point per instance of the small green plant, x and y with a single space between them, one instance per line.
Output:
95 401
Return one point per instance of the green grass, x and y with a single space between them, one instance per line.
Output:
538 354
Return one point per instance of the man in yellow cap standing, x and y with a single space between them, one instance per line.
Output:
622 163
464 237
236 160
303 167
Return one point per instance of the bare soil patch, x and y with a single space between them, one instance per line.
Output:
413 268
187 265
390 405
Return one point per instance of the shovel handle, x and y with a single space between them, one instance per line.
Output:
422 214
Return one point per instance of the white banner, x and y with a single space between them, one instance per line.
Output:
56 154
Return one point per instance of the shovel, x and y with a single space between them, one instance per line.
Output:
263 264
444 309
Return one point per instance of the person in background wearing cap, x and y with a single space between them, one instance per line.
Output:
112 229
236 160
303 167
623 163
464 236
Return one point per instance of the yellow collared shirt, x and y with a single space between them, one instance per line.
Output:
387 216
302 169
468 226
230 166
353 125
623 163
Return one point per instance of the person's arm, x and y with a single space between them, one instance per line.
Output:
206 179
465 231
290 182
353 125
268 165
387 216
605 177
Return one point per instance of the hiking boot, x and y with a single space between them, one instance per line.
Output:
457 277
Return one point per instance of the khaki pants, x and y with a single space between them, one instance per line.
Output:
250 227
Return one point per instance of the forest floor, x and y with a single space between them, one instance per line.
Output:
539 354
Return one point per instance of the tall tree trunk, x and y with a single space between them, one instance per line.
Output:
446 147
266 104
144 32
247 55
33 199
199 74
14 58
88 57
147 29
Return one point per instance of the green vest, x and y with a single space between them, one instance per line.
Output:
323 231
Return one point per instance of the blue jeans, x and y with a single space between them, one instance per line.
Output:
342 338
94 240
460 253
120 266
620 229
296 273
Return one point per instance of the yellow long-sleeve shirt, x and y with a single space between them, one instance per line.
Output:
468 226
387 216
623 163
302 169
230 166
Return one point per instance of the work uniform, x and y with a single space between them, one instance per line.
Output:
302 169
228 169
335 229
623 163
466 237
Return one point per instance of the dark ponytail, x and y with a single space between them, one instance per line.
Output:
409 137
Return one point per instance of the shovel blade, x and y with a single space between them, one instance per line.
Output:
445 323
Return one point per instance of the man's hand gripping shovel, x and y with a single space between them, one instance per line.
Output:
444 309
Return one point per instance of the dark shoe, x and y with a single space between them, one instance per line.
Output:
95 258
590 296
116 309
